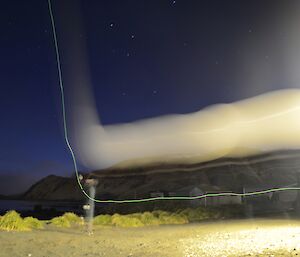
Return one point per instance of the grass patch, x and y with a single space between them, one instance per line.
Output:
73 218
141 219
167 218
174 219
60 222
67 220
126 221
12 221
148 219
200 214
104 219
159 217
33 223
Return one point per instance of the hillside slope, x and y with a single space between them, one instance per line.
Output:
231 174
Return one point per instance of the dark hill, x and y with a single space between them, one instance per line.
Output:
272 169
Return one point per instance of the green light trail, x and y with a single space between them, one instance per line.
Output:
130 200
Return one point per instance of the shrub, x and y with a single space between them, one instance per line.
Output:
33 223
137 215
67 220
103 220
13 221
73 218
201 213
165 217
126 221
159 213
60 222
173 219
148 219
195 214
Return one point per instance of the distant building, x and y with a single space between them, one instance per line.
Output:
203 189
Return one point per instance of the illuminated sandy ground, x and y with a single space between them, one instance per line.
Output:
257 237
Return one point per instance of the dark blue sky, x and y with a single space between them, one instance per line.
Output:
146 58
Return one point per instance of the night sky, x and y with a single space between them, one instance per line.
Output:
146 58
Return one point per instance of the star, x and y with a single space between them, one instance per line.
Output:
111 24
132 36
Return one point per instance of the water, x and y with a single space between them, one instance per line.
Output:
20 205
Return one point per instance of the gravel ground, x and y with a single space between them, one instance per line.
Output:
262 240
256 237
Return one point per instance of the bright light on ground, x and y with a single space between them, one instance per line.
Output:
232 238
245 242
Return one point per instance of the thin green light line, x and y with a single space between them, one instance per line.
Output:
196 197
131 200
62 91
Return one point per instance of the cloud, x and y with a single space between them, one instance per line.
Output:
263 123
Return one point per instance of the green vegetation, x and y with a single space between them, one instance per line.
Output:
103 219
12 221
159 217
67 220
141 219
73 218
33 223
165 218
148 219
126 221
60 222
172 218
200 213
154 218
